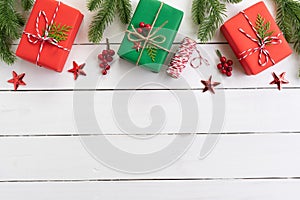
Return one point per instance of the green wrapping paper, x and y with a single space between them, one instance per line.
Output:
167 21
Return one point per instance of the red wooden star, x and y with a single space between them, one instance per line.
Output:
137 46
279 80
17 80
77 70
209 85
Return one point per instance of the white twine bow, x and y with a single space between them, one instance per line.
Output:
38 38
262 44
151 38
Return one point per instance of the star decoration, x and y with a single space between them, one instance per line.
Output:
17 80
137 46
279 80
77 70
209 85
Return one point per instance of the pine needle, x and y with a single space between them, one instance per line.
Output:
124 10
106 14
213 21
199 9
288 19
233 1
11 23
208 14
26 4
104 17
93 5
152 51
6 54
59 32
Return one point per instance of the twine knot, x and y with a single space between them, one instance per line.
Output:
42 39
151 38
262 45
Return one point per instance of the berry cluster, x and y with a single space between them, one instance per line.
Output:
106 57
225 67
144 29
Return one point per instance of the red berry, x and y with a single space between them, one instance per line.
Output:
230 62
104 52
109 58
100 57
104 61
225 65
107 67
104 72
223 71
102 65
148 26
223 59
111 52
140 30
142 24
228 74
229 69
220 66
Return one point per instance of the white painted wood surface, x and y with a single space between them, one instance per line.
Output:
235 156
256 157
161 190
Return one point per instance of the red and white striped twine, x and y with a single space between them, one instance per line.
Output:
262 44
35 38
182 57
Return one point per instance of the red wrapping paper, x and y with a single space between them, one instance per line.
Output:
51 56
239 42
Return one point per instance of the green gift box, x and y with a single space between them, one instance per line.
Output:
149 46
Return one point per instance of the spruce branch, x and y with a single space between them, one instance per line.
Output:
199 9
152 52
11 23
59 32
213 20
124 10
6 54
94 4
233 1
26 4
263 28
208 14
288 19
105 16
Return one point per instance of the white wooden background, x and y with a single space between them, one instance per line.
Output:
257 156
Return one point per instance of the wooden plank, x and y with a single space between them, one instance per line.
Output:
166 190
43 79
43 113
234 156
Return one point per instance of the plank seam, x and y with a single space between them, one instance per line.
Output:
148 134
144 89
153 179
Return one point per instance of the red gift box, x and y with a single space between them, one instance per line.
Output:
35 45
255 53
